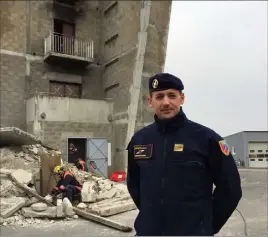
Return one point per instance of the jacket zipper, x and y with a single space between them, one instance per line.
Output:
163 174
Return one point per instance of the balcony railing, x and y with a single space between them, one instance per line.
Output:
61 44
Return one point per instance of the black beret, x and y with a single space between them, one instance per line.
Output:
165 81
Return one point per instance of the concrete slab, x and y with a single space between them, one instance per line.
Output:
16 136
22 175
9 206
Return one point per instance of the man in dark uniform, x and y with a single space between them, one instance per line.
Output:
172 166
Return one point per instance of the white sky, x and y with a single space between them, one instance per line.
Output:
219 50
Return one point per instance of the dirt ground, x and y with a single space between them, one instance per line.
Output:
253 206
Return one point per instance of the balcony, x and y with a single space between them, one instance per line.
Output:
68 51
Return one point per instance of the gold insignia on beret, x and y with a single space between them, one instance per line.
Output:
155 83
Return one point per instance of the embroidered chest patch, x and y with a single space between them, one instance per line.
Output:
178 147
143 151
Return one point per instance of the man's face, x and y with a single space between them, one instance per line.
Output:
166 104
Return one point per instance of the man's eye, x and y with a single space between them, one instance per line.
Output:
172 96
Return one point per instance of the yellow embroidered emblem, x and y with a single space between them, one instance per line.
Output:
178 147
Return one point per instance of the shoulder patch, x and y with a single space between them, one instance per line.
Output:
224 147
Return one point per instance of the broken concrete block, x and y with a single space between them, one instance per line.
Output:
122 188
50 212
40 206
67 207
82 205
22 175
88 192
9 206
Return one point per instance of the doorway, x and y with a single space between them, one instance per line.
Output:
77 148
64 33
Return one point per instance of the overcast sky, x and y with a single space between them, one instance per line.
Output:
219 50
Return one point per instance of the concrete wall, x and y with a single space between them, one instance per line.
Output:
60 109
257 136
13 85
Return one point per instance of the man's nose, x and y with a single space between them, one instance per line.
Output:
166 101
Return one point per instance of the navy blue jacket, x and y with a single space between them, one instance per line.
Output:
172 166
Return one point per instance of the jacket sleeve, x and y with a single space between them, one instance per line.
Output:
226 178
133 177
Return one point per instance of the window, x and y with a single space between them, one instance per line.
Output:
260 159
259 150
252 151
252 156
233 150
260 155
63 89
266 155
252 159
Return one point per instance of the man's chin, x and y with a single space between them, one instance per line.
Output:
167 115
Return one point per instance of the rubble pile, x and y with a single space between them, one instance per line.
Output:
99 196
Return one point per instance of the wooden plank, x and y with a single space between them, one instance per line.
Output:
47 179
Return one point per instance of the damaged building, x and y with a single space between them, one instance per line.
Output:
74 73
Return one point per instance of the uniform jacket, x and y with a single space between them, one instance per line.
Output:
67 179
172 167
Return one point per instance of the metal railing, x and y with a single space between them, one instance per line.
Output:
62 44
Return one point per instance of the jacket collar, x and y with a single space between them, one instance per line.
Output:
169 125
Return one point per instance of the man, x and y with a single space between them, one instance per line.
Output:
67 185
81 165
172 166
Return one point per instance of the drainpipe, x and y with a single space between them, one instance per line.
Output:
137 72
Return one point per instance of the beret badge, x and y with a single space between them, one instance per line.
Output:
155 83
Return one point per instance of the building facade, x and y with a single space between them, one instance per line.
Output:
75 71
250 148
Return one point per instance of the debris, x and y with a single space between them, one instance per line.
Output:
20 199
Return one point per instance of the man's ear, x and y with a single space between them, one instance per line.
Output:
149 100
182 97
